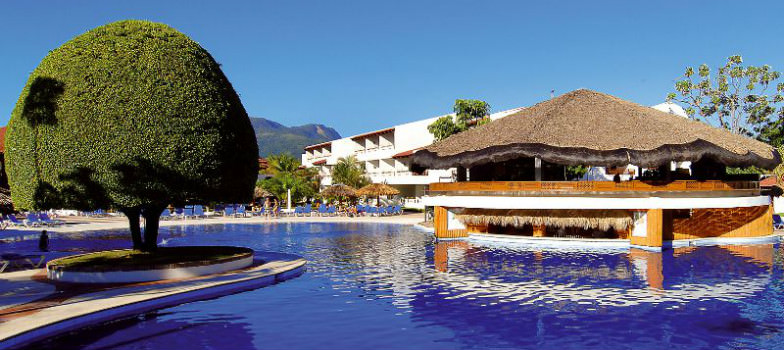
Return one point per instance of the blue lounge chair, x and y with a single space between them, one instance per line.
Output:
331 210
14 221
322 209
32 220
166 214
372 211
778 224
229 211
307 211
240 210
46 220
188 212
398 210
198 211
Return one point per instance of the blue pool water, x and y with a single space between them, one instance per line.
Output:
377 286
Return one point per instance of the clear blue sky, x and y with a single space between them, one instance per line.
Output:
363 65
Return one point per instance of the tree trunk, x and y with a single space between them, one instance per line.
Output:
133 222
152 216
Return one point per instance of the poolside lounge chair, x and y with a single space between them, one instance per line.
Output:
332 211
322 209
240 210
228 211
198 211
166 214
308 210
778 224
13 221
32 220
188 212
46 220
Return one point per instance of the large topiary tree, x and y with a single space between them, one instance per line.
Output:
132 115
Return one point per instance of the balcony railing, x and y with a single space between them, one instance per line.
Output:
634 188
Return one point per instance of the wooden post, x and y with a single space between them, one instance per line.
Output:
655 228
539 230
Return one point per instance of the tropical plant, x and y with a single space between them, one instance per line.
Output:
468 113
287 174
736 97
135 116
282 163
349 171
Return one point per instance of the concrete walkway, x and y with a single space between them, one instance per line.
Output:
32 308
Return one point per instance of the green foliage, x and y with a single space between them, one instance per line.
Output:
130 115
736 98
443 127
746 171
349 171
574 172
468 113
287 175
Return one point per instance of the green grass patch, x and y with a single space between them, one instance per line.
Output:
164 257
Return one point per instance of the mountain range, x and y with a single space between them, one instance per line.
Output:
275 138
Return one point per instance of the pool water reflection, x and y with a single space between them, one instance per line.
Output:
391 287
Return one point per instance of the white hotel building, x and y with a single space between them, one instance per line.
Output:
386 155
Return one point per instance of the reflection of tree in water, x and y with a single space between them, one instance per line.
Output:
225 332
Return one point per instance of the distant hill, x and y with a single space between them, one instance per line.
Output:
274 138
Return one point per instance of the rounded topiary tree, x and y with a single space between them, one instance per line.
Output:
132 115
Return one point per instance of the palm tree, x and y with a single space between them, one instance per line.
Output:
349 171
288 175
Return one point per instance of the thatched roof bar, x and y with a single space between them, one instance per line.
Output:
587 127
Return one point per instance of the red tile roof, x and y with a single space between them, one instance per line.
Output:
406 153
320 162
328 143
263 163
373 133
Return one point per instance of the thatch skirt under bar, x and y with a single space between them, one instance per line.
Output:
585 219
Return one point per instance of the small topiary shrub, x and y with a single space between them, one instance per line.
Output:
132 115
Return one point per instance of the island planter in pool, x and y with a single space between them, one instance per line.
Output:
654 177
62 270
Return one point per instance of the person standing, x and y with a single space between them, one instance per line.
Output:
43 241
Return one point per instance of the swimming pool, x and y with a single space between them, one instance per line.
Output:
391 287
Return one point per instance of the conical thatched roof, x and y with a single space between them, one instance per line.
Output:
377 190
585 219
588 127
339 190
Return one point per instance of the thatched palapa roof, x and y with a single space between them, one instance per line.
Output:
585 219
339 190
588 127
378 190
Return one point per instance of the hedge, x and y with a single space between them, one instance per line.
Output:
129 114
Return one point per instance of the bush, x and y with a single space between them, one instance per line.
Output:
132 115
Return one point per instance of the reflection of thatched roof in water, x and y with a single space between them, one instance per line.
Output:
339 190
586 219
588 127
377 190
